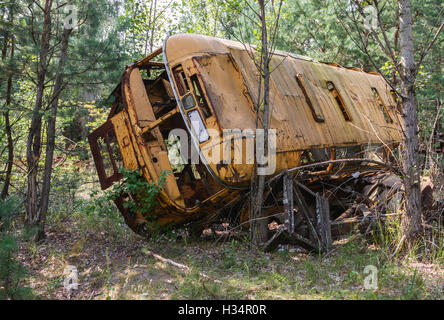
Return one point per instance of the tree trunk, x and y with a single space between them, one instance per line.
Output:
33 146
51 130
5 189
260 226
412 219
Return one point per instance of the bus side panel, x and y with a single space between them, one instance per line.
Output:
120 122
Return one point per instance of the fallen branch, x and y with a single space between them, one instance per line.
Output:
175 264
169 261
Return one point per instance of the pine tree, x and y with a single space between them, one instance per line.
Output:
12 271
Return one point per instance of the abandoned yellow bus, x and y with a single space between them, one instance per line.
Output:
206 86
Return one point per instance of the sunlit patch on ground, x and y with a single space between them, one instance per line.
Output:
117 268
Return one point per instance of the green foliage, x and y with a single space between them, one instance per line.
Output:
98 215
173 145
12 271
138 194
64 184
142 194
146 23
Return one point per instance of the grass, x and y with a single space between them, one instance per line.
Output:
112 265
253 275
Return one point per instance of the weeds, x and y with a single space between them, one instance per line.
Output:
229 255
429 247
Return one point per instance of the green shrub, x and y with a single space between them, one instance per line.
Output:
142 194
12 272
102 214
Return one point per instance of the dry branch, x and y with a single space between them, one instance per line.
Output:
175 264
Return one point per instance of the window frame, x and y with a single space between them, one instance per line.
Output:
102 132
203 105
339 101
382 105
203 124
180 80
317 113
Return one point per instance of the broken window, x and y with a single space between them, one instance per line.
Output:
384 110
106 153
347 152
188 101
181 80
200 97
198 125
174 153
315 110
110 152
334 92
107 164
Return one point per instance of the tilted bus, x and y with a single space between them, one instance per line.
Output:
200 84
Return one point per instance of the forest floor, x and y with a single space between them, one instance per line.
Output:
114 263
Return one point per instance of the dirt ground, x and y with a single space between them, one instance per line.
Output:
119 266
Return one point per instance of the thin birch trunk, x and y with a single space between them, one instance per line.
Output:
260 226
412 219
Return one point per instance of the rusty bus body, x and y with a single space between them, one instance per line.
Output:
320 111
